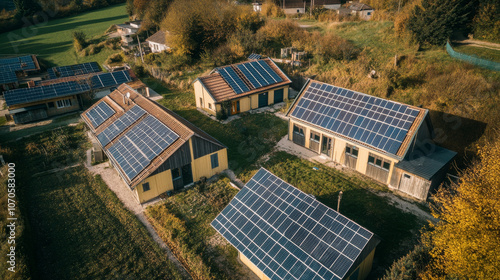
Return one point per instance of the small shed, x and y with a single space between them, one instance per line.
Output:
362 10
421 172
157 42
257 7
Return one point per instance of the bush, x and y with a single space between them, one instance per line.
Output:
114 58
410 266
79 40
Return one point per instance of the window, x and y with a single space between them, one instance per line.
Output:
201 102
351 150
63 103
379 162
209 105
215 160
314 137
298 130
407 176
368 13
145 187
176 173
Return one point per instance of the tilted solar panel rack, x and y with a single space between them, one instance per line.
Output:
288 234
134 150
374 121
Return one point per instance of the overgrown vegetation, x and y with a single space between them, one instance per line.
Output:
183 222
74 225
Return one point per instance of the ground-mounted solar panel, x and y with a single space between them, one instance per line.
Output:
100 113
233 80
120 124
374 121
141 144
288 234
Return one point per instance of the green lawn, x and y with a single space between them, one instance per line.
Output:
52 41
183 221
76 228
484 53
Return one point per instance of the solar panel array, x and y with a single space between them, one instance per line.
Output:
8 77
120 124
377 122
25 95
140 145
73 70
259 73
254 56
9 66
288 234
100 113
256 73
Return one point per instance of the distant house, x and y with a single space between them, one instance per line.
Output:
299 6
14 69
153 149
257 7
388 141
157 42
53 97
281 232
128 29
362 10
242 87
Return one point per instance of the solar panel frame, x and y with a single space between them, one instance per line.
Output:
282 244
383 123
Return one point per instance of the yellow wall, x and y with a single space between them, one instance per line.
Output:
365 267
339 145
202 167
158 184
252 267
201 92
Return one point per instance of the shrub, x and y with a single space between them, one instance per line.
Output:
79 40
114 58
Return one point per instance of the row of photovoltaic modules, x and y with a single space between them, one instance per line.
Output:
254 56
135 149
100 113
73 70
258 73
25 95
371 120
120 124
9 66
288 234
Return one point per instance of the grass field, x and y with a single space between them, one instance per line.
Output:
52 41
193 239
76 227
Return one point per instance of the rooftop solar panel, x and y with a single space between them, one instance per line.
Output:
234 81
100 113
8 77
73 70
254 56
140 145
288 234
17 64
118 126
374 121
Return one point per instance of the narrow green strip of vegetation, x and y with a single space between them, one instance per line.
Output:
481 52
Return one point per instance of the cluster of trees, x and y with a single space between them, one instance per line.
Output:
465 243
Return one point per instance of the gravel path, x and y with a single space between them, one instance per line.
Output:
115 183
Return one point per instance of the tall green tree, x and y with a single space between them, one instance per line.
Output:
435 21
465 244
26 7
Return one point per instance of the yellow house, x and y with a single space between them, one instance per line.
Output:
241 87
153 149
388 141
281 232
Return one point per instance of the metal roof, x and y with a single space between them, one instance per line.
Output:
426 165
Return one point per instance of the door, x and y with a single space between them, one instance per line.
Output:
278 96
298 136
326 146
235 107
187 174
263 101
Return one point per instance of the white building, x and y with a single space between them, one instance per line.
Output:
157 42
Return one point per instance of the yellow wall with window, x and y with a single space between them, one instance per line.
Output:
158 184
206 98
202 167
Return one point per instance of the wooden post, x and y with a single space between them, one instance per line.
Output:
396 60
338 202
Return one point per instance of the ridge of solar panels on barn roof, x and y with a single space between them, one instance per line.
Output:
288 234
374 121
73 70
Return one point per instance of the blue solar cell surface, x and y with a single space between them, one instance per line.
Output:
254 56
100 113
9 66
25 95
288 234
374 121
8 77
234 81
140 145
120 124
73 70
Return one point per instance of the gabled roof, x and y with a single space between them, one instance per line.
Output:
221 85
128 117
159 38
426 162
359 7
288 4
383 125
288 234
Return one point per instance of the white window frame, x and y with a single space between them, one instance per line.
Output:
63 103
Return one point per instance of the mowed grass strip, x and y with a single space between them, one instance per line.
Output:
183 222
53 41
76 227
397 229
